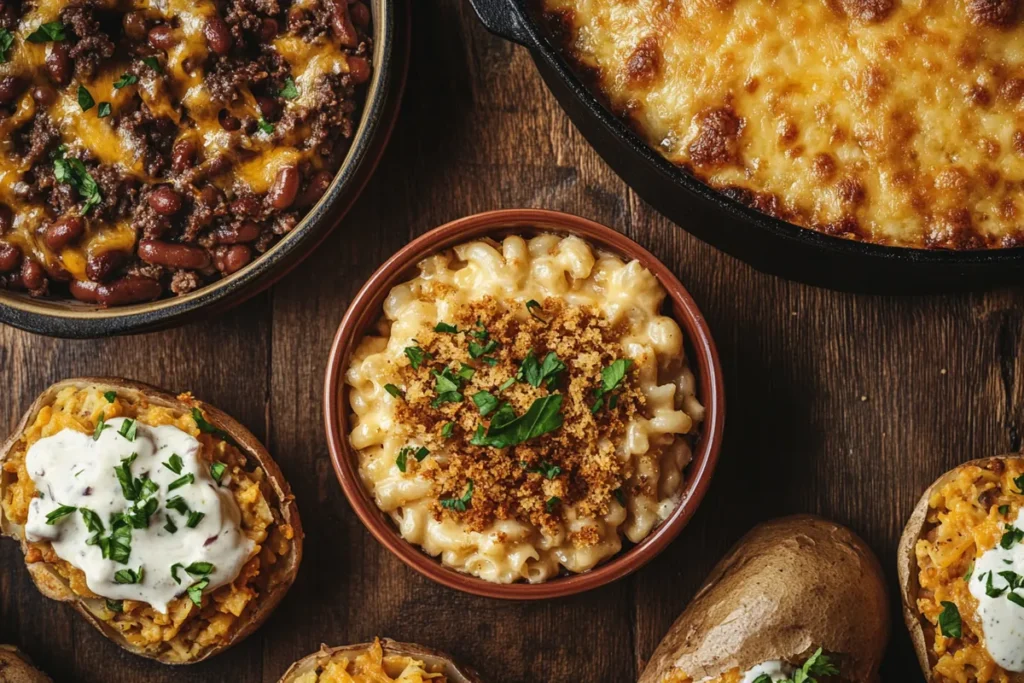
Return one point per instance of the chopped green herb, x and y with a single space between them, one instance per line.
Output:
171 526
446 431
447 386
59 513
620 496
195 591
505 430
200 568
115 605
1019 483
153 63
174 463
124 477
553 501
534 304
466 372
6 42
1016 599
111 396
265 126
816 665
394 391
181 481
194 518
507 383
485 401
476 350
129 428
403 455
445 327
51 31
125 80
1013 579
970 572
178 504
990 590
459 504
138 516
207 428
128 576
74 173
1004 509
535 373
217 470
763 678
416 356
85 100
949 620
611 378
100 426
480 332
174 571
1010 537
103 111
289 91
92 521
549 470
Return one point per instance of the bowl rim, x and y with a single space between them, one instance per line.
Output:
365 309
49 317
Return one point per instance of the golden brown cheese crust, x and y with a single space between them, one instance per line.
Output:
898 122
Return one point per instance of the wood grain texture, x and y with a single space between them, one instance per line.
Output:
842 405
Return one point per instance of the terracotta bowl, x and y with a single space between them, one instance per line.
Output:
366 309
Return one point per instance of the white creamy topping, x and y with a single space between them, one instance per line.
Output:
74 469
1002 620
778 671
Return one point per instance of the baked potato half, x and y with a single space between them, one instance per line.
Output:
797 592
961 562
16 667
228 460
377 662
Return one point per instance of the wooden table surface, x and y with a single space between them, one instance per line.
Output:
842 405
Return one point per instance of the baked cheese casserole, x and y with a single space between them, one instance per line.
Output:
897 122
149 147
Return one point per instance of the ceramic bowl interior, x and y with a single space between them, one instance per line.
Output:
366 310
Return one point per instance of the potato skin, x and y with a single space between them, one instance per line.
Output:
55 587
906 566
453 671
788 587
16 667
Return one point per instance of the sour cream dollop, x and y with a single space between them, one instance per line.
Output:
194 525
1002 620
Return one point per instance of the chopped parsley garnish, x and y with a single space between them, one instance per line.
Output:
174 463
138 516
552 503
131 488
403 455
611 378
1004 509
1010 537
6 41
171 526
532 304
217 470
289 91
549 470
265 126
416 356
178 504
480 332
125 80
174 571
446 431
118 545
115 605
153 63
505 430
394 391
207 428
459 504
128 429
181 481
477 351
194 518
445 327
1016 598
103 111
128 576
949 620
100 426
466 372
1019 483
816 665
195 591
111 396
447 385
990 590
59 513
485 401
85 100
51 31
535 373
200 569
74 173
507 383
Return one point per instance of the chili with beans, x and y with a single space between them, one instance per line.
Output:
150 148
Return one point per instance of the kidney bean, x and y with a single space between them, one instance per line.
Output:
134 24
63 232
32 274
218 35
85 291
360 14
58 63
57 271
44 95
10 257
286 186
268 107
10 88
228 122
246 231
210 196
162 37
102 267
358 70
173 255
183 155
246 205
268 30
6 218
341 25
234 258
165 200
315 189
130 289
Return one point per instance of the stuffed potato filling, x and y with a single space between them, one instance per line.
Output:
153 517
971 573
372 666
817 668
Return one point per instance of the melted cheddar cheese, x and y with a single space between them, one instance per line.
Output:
372 666
898 122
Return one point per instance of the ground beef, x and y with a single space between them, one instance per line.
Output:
92 45
154 136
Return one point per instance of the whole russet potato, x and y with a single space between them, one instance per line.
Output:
432 658
787 588
16 667
55 586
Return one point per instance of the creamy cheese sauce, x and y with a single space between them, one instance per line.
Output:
1002 620
78 470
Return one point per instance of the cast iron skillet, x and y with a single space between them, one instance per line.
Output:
767 243
73 319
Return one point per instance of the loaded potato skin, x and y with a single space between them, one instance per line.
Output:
382 661
16 667
789 588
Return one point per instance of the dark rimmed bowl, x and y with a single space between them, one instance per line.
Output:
74 319
366 309
768 244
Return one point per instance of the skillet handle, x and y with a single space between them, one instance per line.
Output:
501 18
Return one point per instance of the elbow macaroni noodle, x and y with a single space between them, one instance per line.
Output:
515 271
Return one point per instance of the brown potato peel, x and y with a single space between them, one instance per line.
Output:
54 586
16 667
788 587
453 671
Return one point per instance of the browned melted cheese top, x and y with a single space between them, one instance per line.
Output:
892 121
178 90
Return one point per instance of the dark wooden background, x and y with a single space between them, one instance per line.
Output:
842 405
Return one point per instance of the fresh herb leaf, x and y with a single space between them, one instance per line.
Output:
103 111
1010 537
1016 599
129 428
990 590
416 356
402 459
535 374
507 383
552 502
446 431
611 378
178 504
620 496
505 430
817 664
549 470
85 100
763 678
194 518
115 605
265 126
485 401
480 332
59 513
200 568
289 91
100 426
128 576
51 31
476 350
445 327
92 521
1013 579
117 546
1019 483
459 504
195 591
181 481
970 572
207 428
153 63
125 80
74 173
6 42
171 526
174 463
949 620
139 516
534 304
466 372
446 381
217 470
124 477
447 397
394 391
174 571
111 396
